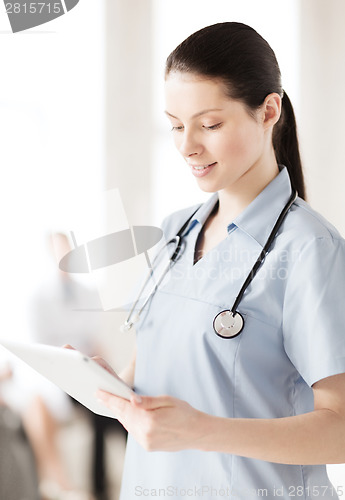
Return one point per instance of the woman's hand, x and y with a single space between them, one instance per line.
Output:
104 364
159 423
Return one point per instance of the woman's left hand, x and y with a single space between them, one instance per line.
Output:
160 423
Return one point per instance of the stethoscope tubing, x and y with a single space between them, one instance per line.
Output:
177 239
264 251
231 316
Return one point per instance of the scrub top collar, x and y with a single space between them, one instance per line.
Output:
259 217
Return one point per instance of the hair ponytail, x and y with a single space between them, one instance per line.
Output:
237 55
285 143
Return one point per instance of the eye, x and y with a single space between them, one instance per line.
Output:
177 129
213 127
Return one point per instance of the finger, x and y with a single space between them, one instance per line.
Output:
153 403
136 398
68 346
117 409
104 365
116 404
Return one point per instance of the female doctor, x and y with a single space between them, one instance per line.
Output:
256 412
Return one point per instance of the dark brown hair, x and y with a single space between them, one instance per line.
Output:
237 55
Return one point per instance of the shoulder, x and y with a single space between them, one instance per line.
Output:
312 248
305 225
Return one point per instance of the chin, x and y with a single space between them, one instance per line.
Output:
208 187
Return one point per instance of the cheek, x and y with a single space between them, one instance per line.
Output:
242 143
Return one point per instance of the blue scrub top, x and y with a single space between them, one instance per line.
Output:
293 336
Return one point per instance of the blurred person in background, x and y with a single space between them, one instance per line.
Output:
18 474
62 311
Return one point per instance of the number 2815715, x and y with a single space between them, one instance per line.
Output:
34 8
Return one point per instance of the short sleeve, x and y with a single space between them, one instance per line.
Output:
314 310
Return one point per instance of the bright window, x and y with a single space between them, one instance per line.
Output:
52 143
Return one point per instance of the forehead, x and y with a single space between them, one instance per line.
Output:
192 92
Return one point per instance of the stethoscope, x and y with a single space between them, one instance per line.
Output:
228 323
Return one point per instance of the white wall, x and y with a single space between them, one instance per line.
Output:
322 125
52 150
129 132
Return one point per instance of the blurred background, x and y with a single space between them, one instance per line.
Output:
81 112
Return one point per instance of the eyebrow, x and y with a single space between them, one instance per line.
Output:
203 112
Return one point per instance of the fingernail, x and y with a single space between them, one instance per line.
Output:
101 396
137 398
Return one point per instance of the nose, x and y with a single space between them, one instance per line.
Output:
189 144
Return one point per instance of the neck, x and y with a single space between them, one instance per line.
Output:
235 198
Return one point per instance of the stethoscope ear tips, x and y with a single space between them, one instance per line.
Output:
228 324
127 325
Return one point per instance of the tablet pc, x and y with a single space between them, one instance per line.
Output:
72 371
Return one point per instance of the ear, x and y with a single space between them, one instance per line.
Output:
271 110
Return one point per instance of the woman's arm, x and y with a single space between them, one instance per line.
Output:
169 424
312 438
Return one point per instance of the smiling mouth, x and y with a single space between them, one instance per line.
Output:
202 167
202 170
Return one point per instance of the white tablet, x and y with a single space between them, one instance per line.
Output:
72 371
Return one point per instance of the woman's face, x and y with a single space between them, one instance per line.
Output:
220 141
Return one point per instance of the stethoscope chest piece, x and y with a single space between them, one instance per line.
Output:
227 324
